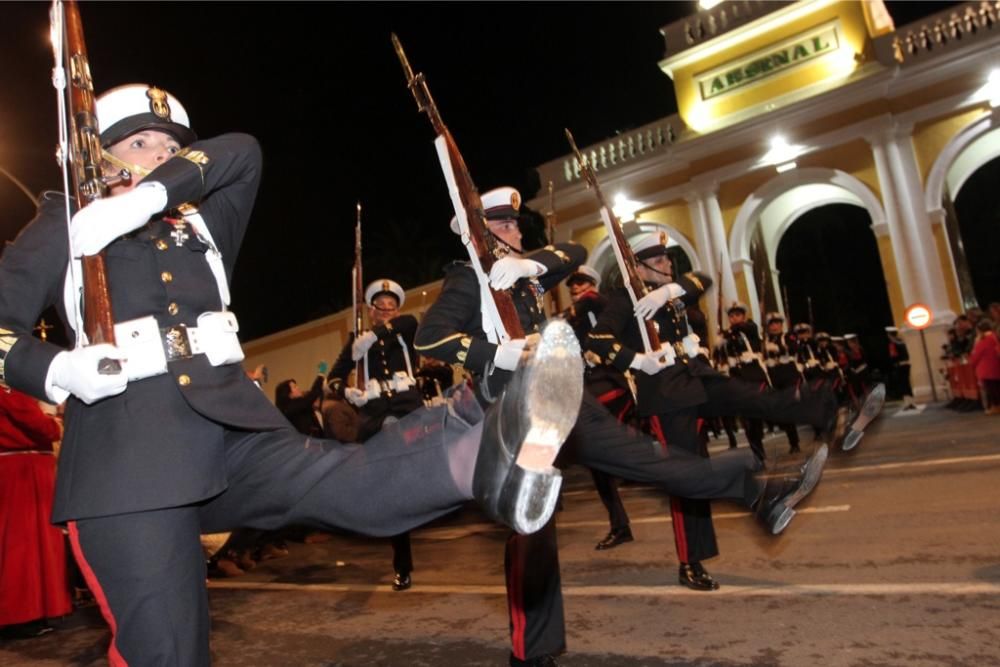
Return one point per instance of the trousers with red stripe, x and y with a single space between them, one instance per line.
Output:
694 531
599 442
147 569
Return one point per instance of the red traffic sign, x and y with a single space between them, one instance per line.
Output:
918 316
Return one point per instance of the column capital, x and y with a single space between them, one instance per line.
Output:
702 188
887 129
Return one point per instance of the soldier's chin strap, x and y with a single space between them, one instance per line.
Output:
134 170
668 276
507 247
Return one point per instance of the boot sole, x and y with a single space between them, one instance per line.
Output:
812 473
551 402
782 516
552 392
871 408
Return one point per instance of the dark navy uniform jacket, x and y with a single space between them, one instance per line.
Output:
617 339
385 358
159 443
781 362
599 377
452 329
740 339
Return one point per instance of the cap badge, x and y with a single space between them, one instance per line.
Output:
385 286
663 238
158 103
515 200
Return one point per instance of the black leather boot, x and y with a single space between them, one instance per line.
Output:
514 481
615 537
695 577
776 508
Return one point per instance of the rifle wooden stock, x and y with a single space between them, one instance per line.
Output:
481 245
88 178
359 301
623 251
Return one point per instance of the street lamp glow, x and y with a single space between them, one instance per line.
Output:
625 208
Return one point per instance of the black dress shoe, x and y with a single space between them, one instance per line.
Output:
614 538
514 481
401 581
776 509
694 576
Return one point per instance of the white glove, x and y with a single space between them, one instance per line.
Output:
509 270
771 347
509 354
75 372
647 306
362 344
104 220
355 397
690 345
654 362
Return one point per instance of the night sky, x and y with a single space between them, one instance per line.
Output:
320 86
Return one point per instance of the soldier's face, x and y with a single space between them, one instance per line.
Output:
774 328
507 231
737 317
148 149
579 288
384 308
658 270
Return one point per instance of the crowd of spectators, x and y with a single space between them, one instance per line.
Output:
972 358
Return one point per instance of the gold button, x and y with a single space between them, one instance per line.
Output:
166 276
172 309
183 380
161 244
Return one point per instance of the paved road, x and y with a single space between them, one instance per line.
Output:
894 560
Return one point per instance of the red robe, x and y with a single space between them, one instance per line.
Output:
33 578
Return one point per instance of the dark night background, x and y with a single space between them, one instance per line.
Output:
320 86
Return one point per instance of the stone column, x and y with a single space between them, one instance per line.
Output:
914 250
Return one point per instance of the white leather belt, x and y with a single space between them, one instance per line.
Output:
148 348
398 383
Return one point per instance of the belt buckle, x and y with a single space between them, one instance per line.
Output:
176 343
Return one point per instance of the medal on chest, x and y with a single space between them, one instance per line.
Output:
179 234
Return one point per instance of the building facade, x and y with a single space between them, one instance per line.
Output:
785 108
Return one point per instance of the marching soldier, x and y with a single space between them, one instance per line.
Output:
857 368
899 372
452 330
780 351
609 386
682 388
744 347
180 441
389 387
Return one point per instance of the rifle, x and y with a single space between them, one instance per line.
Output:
80 146
623 251
550 233
359 300
498 306
718 289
